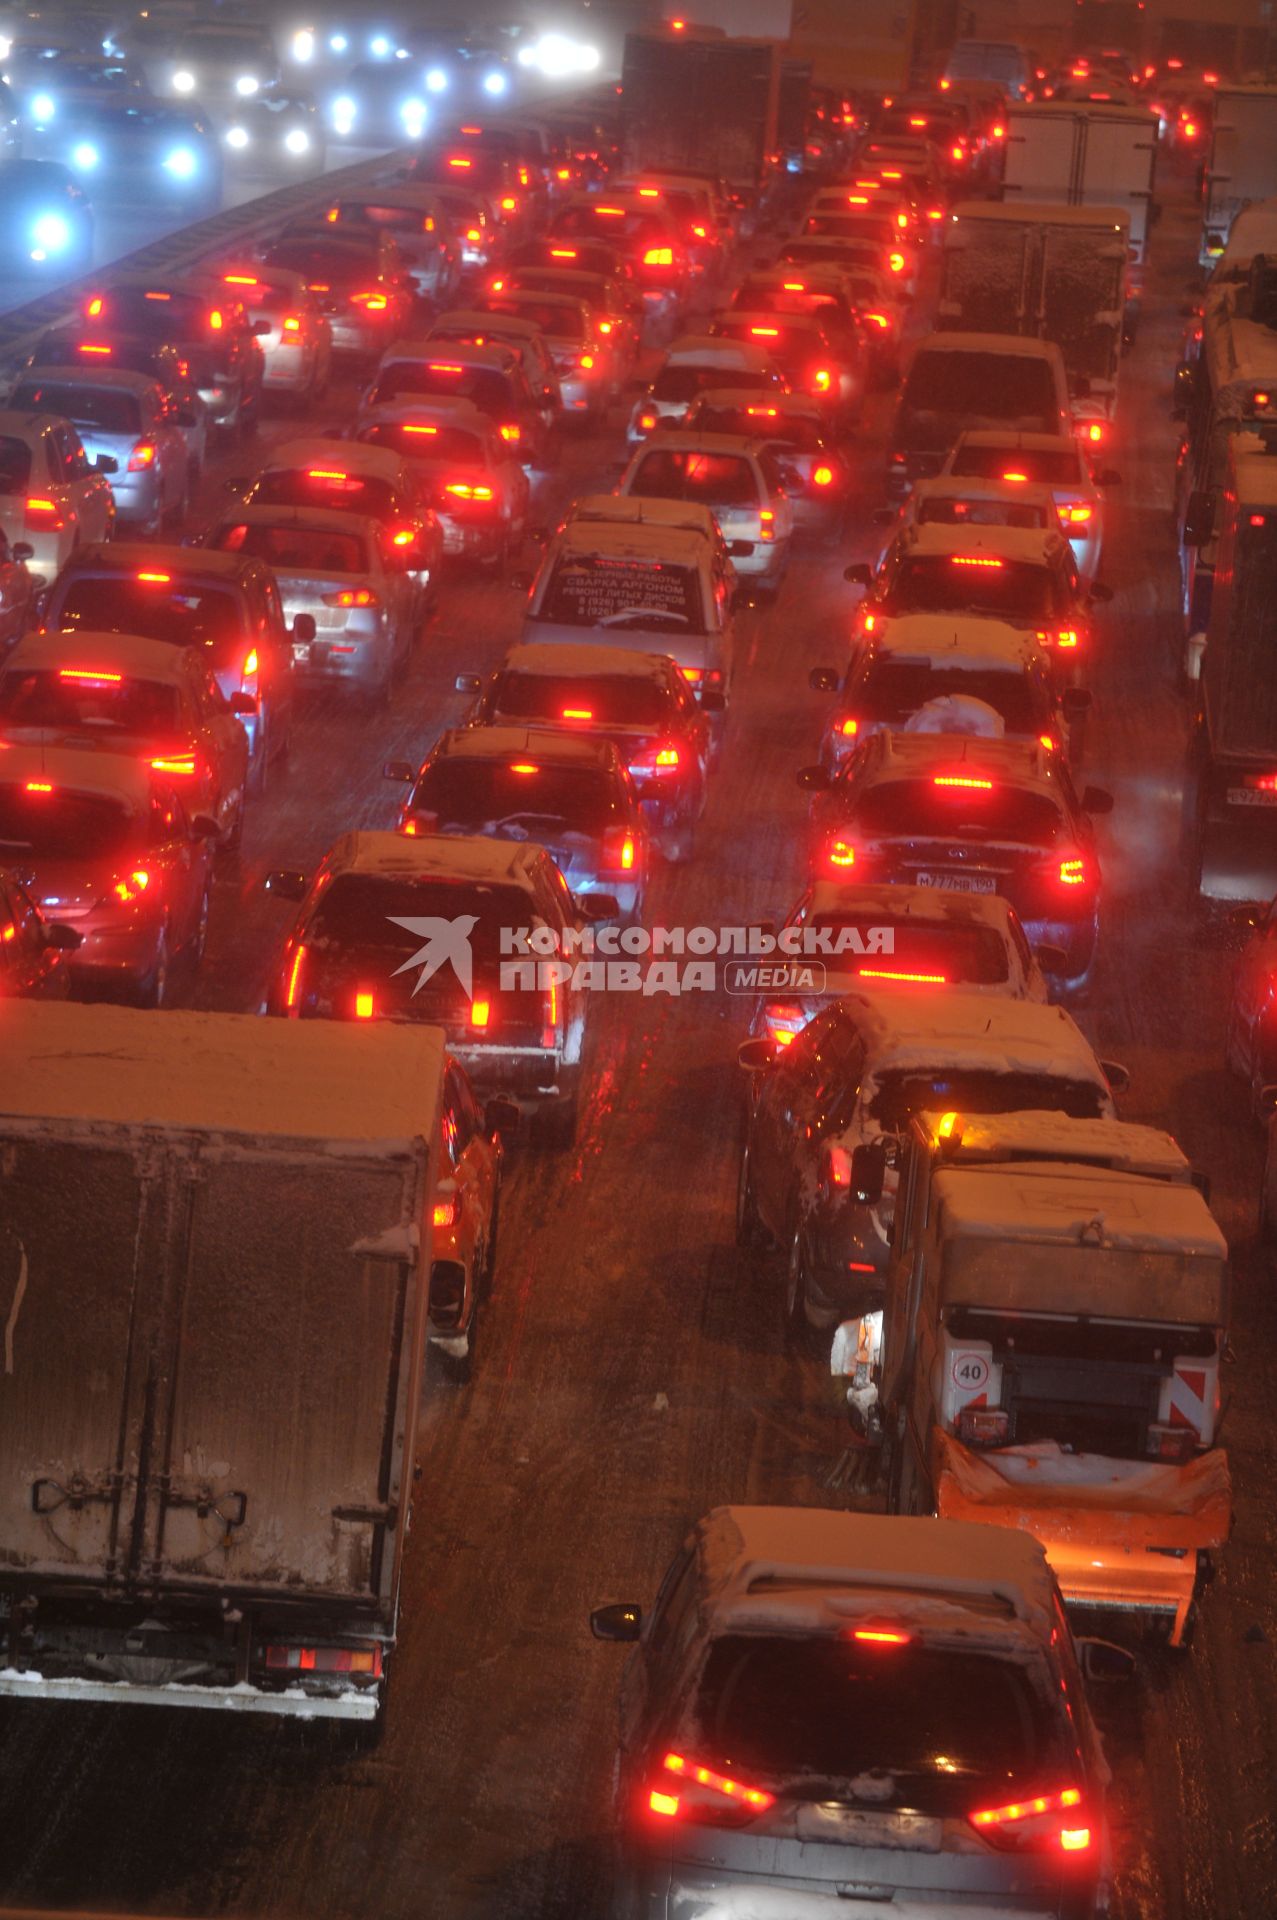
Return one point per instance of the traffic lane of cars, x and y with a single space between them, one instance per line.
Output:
633 1373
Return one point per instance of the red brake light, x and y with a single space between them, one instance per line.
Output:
1016 479
647 421
879 320
1092 431
136 882
183 763
348 597
999 1824
325 473
659 257
881 1636
290 324
784 1024
962 780
459 161
295 977
466 490
511 434
39 512
766 333
94 346
93 307
445 1212
896 261
250 663
909 979
215 320
365 1006
823 477
246 279
90 676
735 1792
156 579
974 560
1073 873
38 786
480 1013
578 713
142 456
841 854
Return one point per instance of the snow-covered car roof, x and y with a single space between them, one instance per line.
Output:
711 350
108 776
497 358
959 641
1037 495
1256 474
311 519
330 456
1000 343
548 744
460 321
884 902
907 756
563 660
450 409
626 540
330 1080
22 424
1121 1144
908 1030
768 413
775 1569
462 857
89 652
115 379
1031 545
746 446
1010 438
691 515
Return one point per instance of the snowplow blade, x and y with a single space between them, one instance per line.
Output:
1124 1534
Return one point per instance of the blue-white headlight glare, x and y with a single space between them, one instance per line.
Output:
51 233
182 163
495 84
84 156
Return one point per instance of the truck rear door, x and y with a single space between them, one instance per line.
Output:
987 278
1042 153
275 1444
79 1224
1119 159
1080 295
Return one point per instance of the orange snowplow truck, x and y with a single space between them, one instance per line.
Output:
1048 1352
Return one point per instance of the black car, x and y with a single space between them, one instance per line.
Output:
207 324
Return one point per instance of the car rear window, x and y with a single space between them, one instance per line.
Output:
106 408
892 690
943 1730
939 952
331 486
522 797
898 1096
993 386
15 465
849 226
357 915
1048 467
607 222
595 590
600 700
490 391
304 549
684 383
62 825
948 511
75 697
181 611
717 479
389 219
784 433
157 312
558 318
325 269
422 440
975 583
981 807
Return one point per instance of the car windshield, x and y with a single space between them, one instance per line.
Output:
15 465
156 312
1049 467
422 440
945 510
62 825
215 43
962 802
991 386
684 383
296 549
601 700
976 583
325 486
614 224
392 219
78 697
892 690
560 319
937 1729
717 479
922 953
180 611
324 268
489 390
520 798
784 432
898 1096
595 590
875 230
107 408
356 915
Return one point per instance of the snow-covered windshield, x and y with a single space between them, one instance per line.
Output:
899 1094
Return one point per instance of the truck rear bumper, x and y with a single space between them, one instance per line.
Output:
291 1703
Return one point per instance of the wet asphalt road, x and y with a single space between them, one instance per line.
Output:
631 1371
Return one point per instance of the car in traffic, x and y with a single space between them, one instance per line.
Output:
968 815
226 605
959 380
619 309
1017 460
571 792
421 226
949 502
109 848
202 318
477 483
639 228
742 484
122 419
50 495
275 133
293 331
640 702
821 1700
795 430
814 355
855 1076
362 291
590 369
491 376
356 951
692 364
217 62
121 693
33 950
77 344
343 572
480 328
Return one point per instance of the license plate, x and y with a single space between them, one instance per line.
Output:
1251 797
893 1832
301 653
958 882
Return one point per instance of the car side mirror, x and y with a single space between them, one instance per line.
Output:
823 679
599 907
304 627
521 580
1075 701
869 1171
621 1621
468 683
205 827
502 1115
1199 519
1118 1076
1104 1660
1110 477
106 463
22 551
243 703
713 700
859 574
1097 800
1051 959
60 937
1100 594
756 1055
401 770
287 883
812 779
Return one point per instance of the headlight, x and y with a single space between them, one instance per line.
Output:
413 115
495 84
344 114
303 45
297 140
183 81
85 156
43 106
337 43
182 163
6 46
237 137
379 47
51 233
436 80
246 85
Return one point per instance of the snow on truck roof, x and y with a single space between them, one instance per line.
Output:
464 857
1119 1144
1256 476
1017 213
323 1080
960 641
565 659
907 1030
1253 231
769 1568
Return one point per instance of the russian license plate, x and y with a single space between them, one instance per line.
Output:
958 882
894 1832
1251 797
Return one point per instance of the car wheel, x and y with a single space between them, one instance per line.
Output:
197 945
800 1335
233 839
750 1231
256 779
154 990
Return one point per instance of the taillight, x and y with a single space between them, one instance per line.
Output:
659 257
1042 1820
142 456
621 852
351 597
848 728
480 1013
366 1660
661 760
511 434
43 516
784 1024
822 380
647 421
1171 1444
1074 515
466 490
822 477
586 361
133 885
1073 872
290 324
365 1006
896 261
841 854
550 1027
293 990
180 764
1092 431
605 326
445 1212
250 667
705 1795
766 524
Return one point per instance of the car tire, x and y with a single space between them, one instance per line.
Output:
800 1335
751 1233
197 945
153 992
255 781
